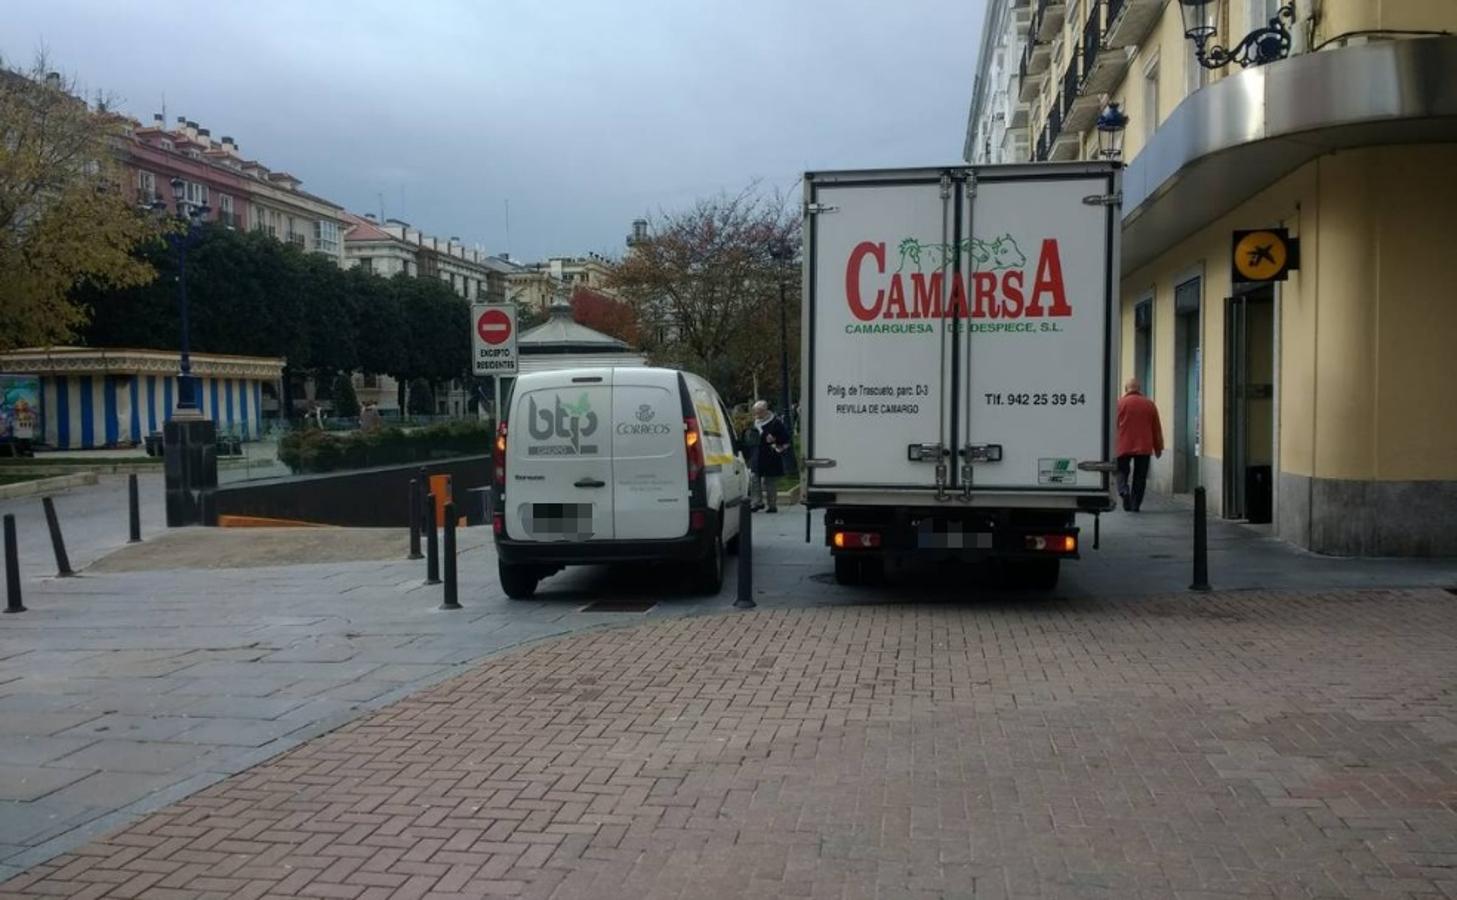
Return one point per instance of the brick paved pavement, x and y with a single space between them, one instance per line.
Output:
1239 744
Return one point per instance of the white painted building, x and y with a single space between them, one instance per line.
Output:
996 126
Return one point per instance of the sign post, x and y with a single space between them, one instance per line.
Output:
493 345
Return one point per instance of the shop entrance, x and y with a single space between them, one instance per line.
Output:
1249 405
1186 386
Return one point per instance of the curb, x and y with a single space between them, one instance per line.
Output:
46 485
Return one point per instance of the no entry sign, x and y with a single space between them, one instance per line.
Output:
493 338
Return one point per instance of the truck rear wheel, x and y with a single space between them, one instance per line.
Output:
847 570
1040 574
519 582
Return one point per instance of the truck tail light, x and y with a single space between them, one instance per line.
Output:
856 540
693 442
498 455
1053 543
498 523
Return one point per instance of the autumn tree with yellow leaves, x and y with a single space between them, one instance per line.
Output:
66 216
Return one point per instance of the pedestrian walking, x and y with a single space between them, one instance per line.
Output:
767 440
1140 435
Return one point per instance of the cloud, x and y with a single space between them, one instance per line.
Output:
582 114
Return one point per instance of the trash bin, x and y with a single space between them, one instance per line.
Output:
1259 494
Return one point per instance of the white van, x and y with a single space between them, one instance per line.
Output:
615 465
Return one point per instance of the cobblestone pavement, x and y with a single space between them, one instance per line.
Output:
1238 744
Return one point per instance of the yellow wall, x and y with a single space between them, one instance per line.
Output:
1367 329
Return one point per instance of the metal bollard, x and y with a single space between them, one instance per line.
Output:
414 517
58 543
12 569
746 558
452 595
432 544
134 510
1201 543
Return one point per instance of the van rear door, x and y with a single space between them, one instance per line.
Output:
559 472
650 463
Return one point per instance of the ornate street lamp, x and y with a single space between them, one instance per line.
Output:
190 217
1111 124
1263 45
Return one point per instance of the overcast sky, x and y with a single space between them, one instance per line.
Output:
583 114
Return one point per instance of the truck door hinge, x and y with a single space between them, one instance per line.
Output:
814 209
1104 199
971 184
945 185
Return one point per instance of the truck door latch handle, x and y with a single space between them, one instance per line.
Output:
819 463
975 453
590 483
932 453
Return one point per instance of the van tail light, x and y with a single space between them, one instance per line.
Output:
698 520
498 455
693 441
498 523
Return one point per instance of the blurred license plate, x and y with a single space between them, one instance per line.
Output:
951 537
563 521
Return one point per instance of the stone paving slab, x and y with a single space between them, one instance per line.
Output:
1233 745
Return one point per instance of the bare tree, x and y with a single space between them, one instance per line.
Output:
705 283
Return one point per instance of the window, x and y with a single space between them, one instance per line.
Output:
265 220
146 186
1195 75
1143 344
195 193
326 236
366 263
166 144
1150 98
225 210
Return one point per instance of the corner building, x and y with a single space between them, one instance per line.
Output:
1321 404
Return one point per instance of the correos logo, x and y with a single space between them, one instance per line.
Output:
568 421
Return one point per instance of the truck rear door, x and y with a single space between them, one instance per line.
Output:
880 360
1033 360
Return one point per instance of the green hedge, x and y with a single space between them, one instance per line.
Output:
313 450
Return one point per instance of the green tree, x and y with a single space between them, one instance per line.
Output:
66 216
422 398
346 402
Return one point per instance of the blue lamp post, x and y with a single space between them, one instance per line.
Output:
191 217
1111 124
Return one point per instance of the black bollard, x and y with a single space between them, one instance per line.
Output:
452 595
1201 544
746 557
58 543
134 510
432 544
414 518
12 569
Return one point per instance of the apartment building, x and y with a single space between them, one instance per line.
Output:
538 285
1309 405
239 192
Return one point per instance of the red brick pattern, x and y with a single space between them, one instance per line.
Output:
1211 746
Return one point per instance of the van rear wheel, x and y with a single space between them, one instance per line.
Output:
708 572
519 582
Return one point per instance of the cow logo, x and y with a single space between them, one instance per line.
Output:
999 253
564 421
645 412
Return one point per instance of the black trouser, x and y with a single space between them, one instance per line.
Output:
1132 493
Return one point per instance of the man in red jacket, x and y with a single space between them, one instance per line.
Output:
1139 435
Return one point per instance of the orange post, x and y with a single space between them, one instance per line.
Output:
440 487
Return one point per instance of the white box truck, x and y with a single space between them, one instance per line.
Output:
960 348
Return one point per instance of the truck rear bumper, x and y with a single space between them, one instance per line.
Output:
961 534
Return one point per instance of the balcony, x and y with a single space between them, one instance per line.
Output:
1049 19
1029 73
1103 67
1021 112
1129 22
1041 154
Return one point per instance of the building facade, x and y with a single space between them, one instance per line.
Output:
1310 404
538 285
239 193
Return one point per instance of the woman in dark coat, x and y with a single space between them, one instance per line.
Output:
767 441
